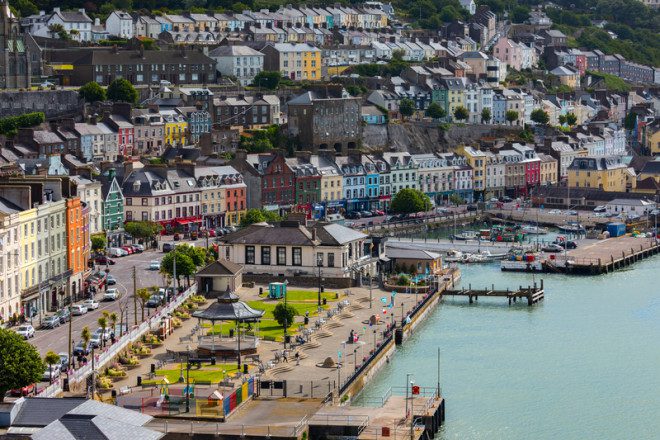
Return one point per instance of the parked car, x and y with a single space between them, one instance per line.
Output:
552 247
91 304
154 265
81 349
365 214
128 249
168 247
105 333
154 301
52 372
354 215
104 260
177 237
26 330
96 339
23 391
64 360
138 248
567 244
110 280
506 199
111 295
571 212
117 252
64 315
51 321
600 208
78 309
472 207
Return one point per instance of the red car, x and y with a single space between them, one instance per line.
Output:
104 260
25 391
128 249
211 233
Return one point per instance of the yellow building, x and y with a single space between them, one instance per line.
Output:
606 174
567 76
653 138
477 161
296 61
549 169
176 128
10 263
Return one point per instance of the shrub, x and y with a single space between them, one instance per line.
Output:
403 280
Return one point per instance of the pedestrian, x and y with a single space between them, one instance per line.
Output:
284 358
297 358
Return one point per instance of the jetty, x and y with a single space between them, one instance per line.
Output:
534 294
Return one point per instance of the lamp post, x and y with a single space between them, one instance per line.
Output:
188 378
319 264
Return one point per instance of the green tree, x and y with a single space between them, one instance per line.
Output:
58 29
113 322
92 92
184 265
9 126
406 107
511 116
85 335
121 90
284 315
103 323
435 111
198 255
143 229
461 113
562 119
571 119
98 242
409 200
456 199
486 116
540 116
258 216
520 14
51 359
630 121
20 364
267 79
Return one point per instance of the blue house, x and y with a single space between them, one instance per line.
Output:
372 115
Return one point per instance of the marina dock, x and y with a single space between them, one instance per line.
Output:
603 256
533 294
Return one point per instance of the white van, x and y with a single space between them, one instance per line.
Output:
117 252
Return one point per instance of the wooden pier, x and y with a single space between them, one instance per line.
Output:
534 294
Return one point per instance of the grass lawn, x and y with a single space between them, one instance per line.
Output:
208 373
269 329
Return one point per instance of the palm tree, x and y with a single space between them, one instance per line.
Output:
113 320
50 359
103 323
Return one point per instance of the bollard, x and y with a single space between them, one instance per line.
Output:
139 381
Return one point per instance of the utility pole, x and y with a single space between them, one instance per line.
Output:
370 294
134 296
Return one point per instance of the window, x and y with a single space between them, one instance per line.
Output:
319 258
331 260
281 256
296 255
249 254
265 255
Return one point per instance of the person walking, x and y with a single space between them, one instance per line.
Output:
284 358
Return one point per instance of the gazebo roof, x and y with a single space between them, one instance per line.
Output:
229 308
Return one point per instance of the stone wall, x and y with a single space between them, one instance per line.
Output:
53 103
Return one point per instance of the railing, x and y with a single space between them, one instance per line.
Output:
110 352
360 420
374 401
217 428
51 390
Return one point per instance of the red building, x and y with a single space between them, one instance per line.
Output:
235 197
278 183
532 172
125 133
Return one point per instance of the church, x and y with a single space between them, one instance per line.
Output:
15 69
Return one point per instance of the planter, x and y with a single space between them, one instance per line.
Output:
130 367
117 378
103 390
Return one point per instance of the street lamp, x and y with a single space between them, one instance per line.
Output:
319 264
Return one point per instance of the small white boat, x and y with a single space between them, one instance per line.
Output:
454 256
534 230
466 235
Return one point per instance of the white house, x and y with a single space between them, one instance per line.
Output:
469 5
292 250
120 24
242 62
630 207
76 23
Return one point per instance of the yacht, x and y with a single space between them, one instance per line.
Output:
534 230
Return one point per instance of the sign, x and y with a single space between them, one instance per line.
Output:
415 390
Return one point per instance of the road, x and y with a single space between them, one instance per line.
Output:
57 339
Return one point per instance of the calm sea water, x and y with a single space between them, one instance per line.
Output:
585 364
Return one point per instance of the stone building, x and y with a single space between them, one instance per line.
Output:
14 60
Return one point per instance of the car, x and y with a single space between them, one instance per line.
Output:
50 321
138 247
128 249
354 215
571 212
96 340
91 304
506 199
64 315
78 309
104 260
164 82
567 244
154 265
154 301
23 391
64 360
554 212
26 330
168 247
117 252
110 280
46 84
106 333
81 349
177 237
111 295
472 207
552 247
494 200
52 372
600 208
365 214
212 233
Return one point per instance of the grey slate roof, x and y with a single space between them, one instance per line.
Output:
39 411
221 267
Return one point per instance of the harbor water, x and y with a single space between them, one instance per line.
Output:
583 364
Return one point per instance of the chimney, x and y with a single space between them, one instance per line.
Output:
111 173
313 233
241 154
81 10
56 9
41 13
97 22
93 119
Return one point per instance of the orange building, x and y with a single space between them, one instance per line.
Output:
235 197
75 246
